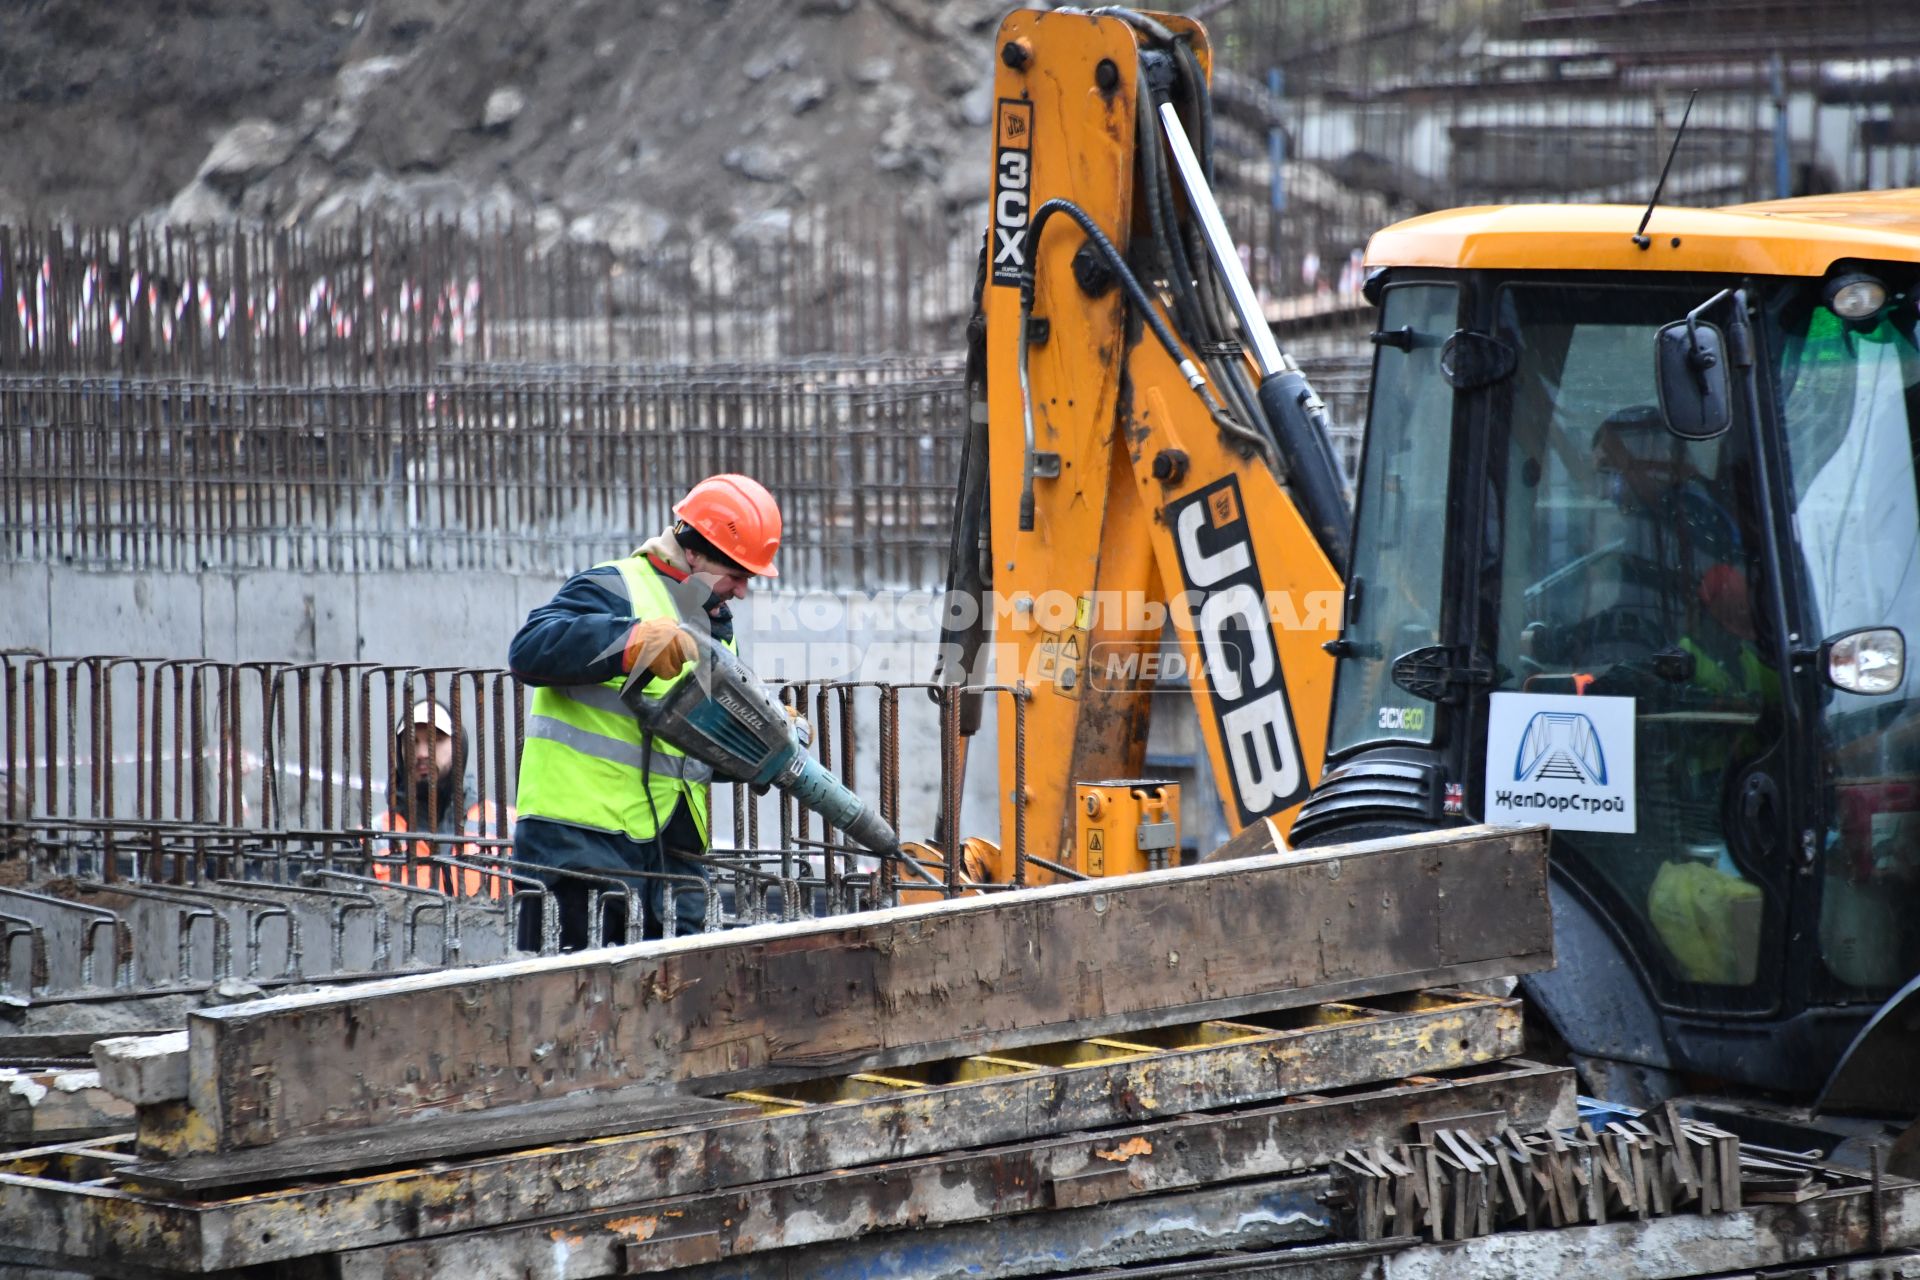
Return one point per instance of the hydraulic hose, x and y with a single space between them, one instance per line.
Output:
1245 437
1293 413
969 559
1162 221
1195 306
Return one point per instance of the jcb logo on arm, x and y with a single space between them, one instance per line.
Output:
1012 189
1226 607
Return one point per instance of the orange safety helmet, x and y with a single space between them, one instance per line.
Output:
738 516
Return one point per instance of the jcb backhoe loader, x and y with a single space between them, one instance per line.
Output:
1636 550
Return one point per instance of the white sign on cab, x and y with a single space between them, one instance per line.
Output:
1561 759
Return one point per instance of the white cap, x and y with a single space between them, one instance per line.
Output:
427 712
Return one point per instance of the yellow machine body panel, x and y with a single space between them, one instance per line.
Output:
1799 237
1057 134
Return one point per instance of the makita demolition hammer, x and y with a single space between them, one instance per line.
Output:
724 717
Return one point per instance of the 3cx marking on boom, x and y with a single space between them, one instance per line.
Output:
1012 189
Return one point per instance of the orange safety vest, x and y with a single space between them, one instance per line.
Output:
475 883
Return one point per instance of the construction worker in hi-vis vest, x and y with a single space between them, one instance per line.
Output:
596 794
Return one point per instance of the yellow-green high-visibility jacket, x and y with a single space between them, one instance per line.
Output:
585 760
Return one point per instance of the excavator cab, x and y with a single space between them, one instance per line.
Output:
1636 552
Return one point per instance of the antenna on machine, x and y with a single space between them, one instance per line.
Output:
1640 235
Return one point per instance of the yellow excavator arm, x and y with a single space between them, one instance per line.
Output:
1130 525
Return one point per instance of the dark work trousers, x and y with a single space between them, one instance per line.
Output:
553 847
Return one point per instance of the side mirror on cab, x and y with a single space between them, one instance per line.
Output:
1695 399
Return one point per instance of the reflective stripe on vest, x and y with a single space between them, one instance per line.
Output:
475 882
632 755
582 759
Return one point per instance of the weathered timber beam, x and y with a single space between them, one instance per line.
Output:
1440 1032
784 1002
50 1240
962 1187
1374 1261
1327 1046
1347 1261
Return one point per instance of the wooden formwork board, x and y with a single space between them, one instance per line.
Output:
1083 1186
1263 1213
86 1203
1220 1063
756 1007
988 1236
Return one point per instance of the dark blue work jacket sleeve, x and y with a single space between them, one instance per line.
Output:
579 636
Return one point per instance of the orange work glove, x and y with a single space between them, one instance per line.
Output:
802 730
660 646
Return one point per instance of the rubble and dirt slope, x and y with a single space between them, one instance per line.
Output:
620 121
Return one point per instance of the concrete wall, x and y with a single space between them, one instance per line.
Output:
421 619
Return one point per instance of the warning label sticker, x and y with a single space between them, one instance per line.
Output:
1059 661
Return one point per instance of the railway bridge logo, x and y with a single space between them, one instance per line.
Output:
1560 746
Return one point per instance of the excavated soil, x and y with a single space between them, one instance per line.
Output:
617 120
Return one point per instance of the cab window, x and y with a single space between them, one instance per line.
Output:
1848 396
1631 571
